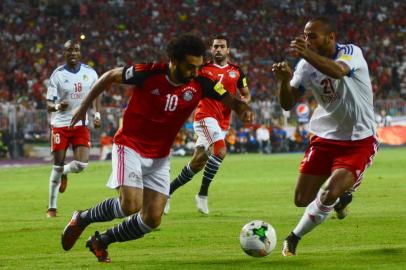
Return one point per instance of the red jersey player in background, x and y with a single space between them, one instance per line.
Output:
211 123
165 96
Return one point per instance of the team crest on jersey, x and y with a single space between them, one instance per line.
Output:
188 95
85 78
232 74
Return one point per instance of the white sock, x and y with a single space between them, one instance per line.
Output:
54 182
67 168
315 214
74 167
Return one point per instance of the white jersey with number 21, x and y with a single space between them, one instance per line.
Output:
345 106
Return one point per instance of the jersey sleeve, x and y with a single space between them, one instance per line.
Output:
242 80
135 74
212 89
95 78
52 90
298 80
352 56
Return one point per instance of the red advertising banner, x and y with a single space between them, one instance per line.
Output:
395 135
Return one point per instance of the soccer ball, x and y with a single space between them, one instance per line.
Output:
258 238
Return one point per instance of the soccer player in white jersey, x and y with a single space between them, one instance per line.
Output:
343 125
68 86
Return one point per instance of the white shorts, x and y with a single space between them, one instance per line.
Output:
130 169
208 132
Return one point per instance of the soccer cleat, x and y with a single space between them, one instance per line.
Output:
341 208
64 183
167 207
201 204
51 212
97 247
72 231
289 245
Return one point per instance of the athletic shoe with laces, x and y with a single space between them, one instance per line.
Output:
167 207
289 245
51 212
72 231
341 208
64 183
97 247
201 204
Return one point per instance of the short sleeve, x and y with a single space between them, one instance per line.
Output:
242 80
95 78
212 89
298 79
352 56
135 74
52 90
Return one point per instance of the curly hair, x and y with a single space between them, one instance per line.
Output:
185 44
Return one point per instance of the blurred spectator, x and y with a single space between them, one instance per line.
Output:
3 146
263 137
106 144
279 140
383 119
231 140
20 141
242 141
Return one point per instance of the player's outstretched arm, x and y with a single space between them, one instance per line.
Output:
242 109
104 82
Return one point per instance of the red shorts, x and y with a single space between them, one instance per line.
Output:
323 156
63 136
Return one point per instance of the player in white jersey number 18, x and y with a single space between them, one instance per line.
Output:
68 85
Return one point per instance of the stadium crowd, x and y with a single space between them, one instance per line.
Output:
118 32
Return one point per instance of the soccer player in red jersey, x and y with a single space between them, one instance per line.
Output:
343 124
211 122
165 95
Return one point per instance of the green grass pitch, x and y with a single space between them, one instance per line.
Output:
247 187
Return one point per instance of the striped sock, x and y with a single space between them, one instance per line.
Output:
185 176
131 228
107 210
210 170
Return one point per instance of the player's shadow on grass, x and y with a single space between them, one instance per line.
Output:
384 252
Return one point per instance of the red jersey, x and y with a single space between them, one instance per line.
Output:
158 107
233 78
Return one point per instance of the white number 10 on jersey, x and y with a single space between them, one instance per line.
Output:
171 102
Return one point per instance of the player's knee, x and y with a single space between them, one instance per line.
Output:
58 168
197 163
153 220
78 166
302 201
330 195
220 149
129 206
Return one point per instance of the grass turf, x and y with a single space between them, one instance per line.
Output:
247 187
